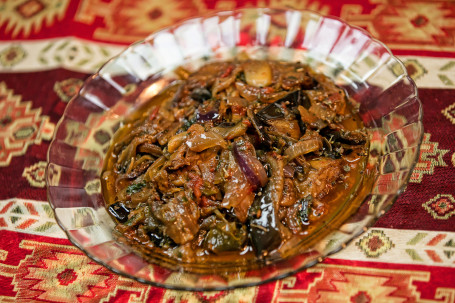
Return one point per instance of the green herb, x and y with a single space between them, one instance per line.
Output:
209 190
134 188
131 220
188 123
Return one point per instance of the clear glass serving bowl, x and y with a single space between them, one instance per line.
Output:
373 77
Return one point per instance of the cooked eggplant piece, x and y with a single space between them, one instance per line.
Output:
293 99
201 94
259 127
338 133
264 223
275 111
251 167
304 209
119 211
180 220
270 112
207 116
305 100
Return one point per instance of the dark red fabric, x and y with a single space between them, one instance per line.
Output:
33 268
399 277
38 88
407 212
72 24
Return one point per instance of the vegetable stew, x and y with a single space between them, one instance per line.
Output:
235 160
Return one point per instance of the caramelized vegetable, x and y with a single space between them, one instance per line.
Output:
250 166
239 193
257 73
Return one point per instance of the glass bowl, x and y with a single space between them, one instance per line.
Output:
375 79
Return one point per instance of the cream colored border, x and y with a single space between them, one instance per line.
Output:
406 247
70 53
29 216
87 56
400 245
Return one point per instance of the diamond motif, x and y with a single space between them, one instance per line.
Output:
68 88
413 67
441 207
12 55
361 297
375 244
128 21
67 276
51 272
449 113
93 187
59 275
35 174
430 157
25 16
30 8
420 21
20 126
96 133
406 24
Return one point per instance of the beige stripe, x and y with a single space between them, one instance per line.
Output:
70 53
377 244
87 56
29 216
403 246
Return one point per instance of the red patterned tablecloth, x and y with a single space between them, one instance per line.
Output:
47 48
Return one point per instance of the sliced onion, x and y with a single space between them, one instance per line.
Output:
302 147
154 168
176 141
266 94
202 141
236 101
276 186
251 167
239 194
150 148
223 83
231 132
